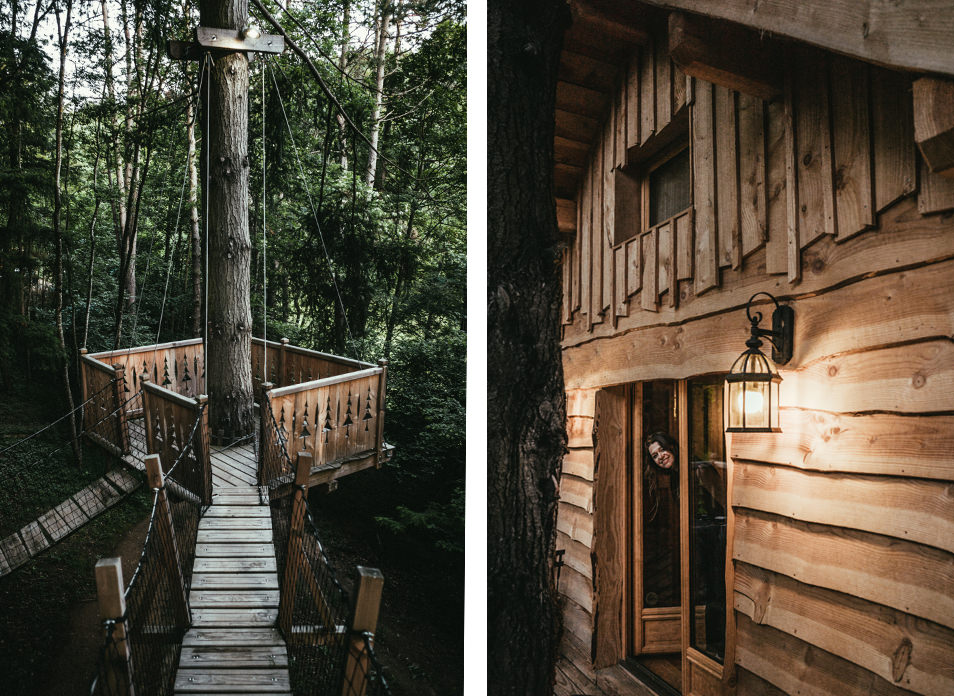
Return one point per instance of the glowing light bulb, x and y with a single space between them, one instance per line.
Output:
753 401
252 32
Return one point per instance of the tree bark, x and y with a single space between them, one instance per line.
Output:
63 31
195 234
342 67
526 402
228 351
380 57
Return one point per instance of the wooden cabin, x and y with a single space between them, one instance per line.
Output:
802 150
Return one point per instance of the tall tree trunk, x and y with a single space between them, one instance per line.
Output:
380 57
525 398
195 232
63 31
228 351
343 66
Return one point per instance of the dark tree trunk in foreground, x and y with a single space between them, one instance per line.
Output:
228 351
526 403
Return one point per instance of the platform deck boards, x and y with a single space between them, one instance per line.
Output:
233 645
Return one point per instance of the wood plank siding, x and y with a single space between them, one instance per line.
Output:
843 539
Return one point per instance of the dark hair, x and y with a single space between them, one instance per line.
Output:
662 439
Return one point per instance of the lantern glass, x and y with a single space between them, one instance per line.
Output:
751 394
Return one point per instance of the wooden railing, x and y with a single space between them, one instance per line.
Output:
338 421
288 364
104 419
178 366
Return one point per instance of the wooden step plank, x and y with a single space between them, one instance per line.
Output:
234 599
14 551
227 479
235 637
124 480
234 550
246 467
226 510
240 680
237 522
229 475
224 581
243 459
71 514
234 618
53 525
234 565
238 490
4 566
33 538
235 536
223 657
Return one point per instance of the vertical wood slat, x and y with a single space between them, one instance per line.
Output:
892 128
647 92
367 603
776 218
596 296
608 212
167 547
667 271
111 600
577 248
791 185
634 276
684 246
620 281
727 170
566 263
704 188
752 204
678 88
586 248
936 193
663 85
633 98
294 556
816 191
650 291
619 120
854 189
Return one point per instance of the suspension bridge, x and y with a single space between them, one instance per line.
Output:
233 592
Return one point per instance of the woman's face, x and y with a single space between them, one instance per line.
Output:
660 455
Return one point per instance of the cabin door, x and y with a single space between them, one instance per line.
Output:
656 571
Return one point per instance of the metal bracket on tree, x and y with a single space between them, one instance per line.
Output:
248 40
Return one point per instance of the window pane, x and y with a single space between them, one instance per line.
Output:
669 188
707 516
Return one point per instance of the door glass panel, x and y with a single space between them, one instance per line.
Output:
660 500
707 516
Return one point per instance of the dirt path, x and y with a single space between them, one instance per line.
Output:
72 663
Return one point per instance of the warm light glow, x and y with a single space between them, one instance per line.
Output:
753 401
252 32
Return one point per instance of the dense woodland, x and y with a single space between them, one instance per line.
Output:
358 229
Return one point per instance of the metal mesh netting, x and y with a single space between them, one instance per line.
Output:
275 468
157 609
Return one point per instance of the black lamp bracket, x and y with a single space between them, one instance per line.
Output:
782 334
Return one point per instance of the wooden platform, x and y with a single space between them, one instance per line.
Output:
233 645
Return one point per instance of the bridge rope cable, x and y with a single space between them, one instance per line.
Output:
58 420
190 442
264 245
314 212
207 65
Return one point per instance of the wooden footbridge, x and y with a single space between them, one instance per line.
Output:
233 592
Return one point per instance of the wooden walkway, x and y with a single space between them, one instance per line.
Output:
54 524
234 645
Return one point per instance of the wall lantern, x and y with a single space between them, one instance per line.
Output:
751 387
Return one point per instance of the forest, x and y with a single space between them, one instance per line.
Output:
356 209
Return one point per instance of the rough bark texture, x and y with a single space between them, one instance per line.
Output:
228 351
526 403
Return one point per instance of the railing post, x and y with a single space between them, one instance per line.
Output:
147 417
202 448
281 364
112 607
293 557
122 426
84 388
167 534
367 604
264 414
379 439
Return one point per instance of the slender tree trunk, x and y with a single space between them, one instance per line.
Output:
228 351
195 233
343 66
380 57
525 398
63 31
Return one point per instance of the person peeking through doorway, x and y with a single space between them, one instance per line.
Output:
662 449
